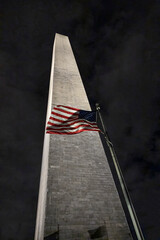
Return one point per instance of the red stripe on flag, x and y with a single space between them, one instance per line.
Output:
70 133
70 128
61 110
76 109
71 122
55 119
63 121
59 115
63 116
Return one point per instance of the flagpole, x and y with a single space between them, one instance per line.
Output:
127 198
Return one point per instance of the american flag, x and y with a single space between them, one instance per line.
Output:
69 120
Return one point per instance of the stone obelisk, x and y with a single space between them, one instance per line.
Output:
77 190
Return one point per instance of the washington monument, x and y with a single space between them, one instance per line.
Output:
77 191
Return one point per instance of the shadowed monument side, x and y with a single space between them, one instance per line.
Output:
77 190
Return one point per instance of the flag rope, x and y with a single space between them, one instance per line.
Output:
123 185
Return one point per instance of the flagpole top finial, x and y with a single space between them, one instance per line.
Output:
97 106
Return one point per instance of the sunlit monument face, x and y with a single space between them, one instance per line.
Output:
77 191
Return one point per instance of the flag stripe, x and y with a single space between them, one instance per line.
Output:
55 120
70 123
63 116
71 130
76 109
69 127
64 111
61 120
67 133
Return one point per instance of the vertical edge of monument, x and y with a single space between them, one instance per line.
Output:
40 219
77 190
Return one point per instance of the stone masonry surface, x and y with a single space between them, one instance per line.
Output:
81 193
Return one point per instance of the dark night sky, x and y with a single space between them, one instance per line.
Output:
117 48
